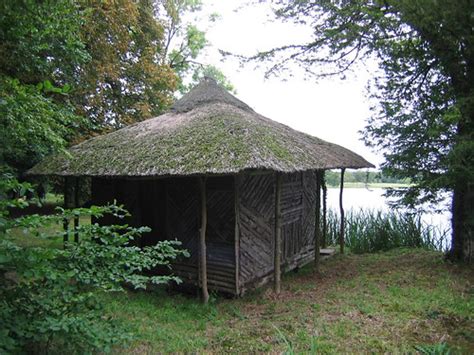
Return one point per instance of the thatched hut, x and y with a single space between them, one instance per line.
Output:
239 190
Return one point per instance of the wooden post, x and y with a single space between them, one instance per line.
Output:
66 205
341 208
237 232
325 209
277 251
317 221
76 205
202 241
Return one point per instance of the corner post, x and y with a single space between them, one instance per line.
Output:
317 222
341 209
76 205
277 250
325 210
66 206
237 232
202 241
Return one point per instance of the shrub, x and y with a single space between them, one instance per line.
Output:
49 296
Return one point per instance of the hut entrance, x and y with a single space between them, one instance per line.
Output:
171 208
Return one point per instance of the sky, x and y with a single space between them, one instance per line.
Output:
331 109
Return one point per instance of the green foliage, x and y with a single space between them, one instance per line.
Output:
40 40
184 42
72 69
422 119
61 60
436 349
374 231
127 79
50 297
32 124
211 71
40 52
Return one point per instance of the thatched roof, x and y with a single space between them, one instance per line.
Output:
208 131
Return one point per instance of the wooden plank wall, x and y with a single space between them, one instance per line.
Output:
292 214
257 225
307 192
257 209
171 208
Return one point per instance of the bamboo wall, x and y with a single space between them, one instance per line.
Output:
257 223
171 208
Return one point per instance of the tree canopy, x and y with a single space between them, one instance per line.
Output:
422 119
40 52
185 40
125 80
73 69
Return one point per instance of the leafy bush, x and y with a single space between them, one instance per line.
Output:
49 296
369 231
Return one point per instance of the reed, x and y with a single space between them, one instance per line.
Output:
370 231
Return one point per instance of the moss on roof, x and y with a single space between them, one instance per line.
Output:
214 135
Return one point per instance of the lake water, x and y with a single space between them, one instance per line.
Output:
373 199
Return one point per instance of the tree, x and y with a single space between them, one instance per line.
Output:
32 123
126 80
210 71
184 42
69 69
423 119
40 52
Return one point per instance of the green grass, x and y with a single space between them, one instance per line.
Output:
399 301
24 238
388 302
53 198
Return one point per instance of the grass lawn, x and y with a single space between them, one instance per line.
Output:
384 303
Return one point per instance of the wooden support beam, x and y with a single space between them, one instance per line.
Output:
277 251
237 232
317 221
66 206
341 209
325 210
76 205
202 241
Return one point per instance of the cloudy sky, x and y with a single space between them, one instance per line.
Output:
331 109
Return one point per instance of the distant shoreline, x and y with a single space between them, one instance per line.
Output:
375 185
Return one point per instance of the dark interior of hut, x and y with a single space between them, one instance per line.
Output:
171 208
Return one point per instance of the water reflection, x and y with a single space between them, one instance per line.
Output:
373 199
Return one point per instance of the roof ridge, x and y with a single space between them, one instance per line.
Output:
207 91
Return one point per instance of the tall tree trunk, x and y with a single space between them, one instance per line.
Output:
462 165
462 223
